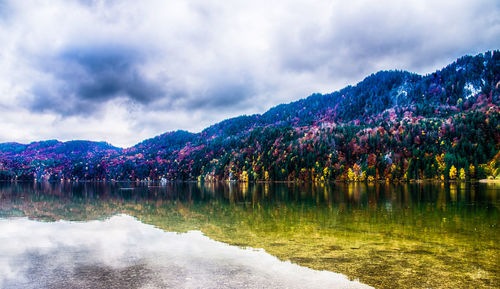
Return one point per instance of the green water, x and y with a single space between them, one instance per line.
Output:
387 236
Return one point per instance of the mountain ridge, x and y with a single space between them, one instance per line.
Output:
343 122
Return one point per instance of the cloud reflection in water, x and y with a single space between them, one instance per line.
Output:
122 252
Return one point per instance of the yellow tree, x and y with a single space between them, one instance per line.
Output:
440 162
472 171
362 177
492 168
350 175
244 176
462 174
453 173
326 172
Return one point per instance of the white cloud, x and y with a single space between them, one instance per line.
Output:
210 59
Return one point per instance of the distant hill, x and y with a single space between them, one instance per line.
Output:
52 159
393 125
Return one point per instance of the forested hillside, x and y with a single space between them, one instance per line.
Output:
393 125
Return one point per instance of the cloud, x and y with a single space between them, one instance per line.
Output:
361 37
4 9
83 78
166 65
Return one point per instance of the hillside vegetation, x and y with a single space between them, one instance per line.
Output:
393 125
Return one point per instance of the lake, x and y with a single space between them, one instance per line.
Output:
206 235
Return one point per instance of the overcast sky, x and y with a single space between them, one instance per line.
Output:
125 70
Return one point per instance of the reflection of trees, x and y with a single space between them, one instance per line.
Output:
90 200
304 219
453 192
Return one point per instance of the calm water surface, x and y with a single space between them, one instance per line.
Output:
191 235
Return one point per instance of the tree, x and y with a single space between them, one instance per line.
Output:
350 175
441 163
362 177
244 177
472 171
462 174
453 172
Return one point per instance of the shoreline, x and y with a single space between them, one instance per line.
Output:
421 181
489 181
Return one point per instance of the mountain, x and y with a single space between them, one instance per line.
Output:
393 125
52 159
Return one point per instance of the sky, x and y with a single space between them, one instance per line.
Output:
123 71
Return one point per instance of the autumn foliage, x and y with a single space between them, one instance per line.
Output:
394 125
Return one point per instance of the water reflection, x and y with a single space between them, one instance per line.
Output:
354 195
121 252
411 235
